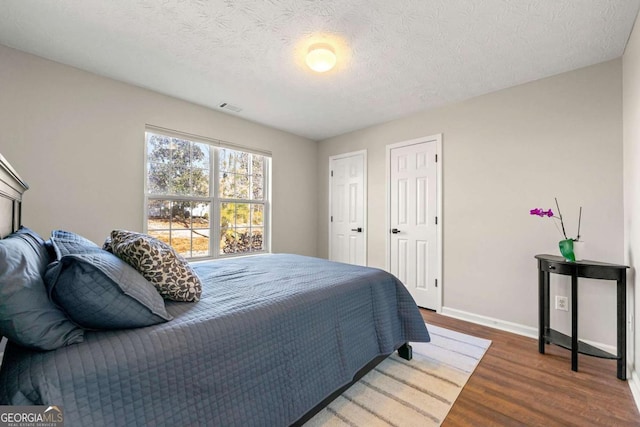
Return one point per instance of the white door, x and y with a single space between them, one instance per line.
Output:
347 230
413 220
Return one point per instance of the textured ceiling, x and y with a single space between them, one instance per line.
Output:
394 57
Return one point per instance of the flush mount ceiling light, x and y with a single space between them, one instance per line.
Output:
321 57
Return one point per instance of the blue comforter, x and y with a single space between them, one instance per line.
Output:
272 337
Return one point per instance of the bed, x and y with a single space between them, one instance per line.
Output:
272 340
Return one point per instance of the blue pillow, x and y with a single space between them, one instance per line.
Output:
27 316
97 289
67 243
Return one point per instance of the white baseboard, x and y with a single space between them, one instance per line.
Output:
634 385
503 325
515 328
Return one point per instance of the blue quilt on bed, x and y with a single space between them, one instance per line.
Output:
272 337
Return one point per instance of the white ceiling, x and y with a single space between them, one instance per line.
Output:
395 57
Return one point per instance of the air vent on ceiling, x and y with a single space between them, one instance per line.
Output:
230 107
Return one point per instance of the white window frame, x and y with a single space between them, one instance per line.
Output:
214 198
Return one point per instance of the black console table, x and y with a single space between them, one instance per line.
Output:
588 269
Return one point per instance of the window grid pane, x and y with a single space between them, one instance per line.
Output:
241 175
177 166
183 224
241 227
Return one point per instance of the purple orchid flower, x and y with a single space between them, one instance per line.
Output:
549 213
541 212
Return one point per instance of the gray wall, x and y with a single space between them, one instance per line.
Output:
503 154
631 120
78 140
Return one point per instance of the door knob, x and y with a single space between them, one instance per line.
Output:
359 229
394 231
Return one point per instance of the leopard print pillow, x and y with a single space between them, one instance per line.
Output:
159 263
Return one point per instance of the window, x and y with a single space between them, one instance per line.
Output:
197 189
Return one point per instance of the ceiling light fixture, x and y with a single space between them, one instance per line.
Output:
321 57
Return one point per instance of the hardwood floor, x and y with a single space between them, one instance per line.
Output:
514 385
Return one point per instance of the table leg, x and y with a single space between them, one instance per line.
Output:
541 312
621 327
547 305
574 322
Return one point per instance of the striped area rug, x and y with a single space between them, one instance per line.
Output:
404 393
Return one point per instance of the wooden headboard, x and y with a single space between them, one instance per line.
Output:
11 189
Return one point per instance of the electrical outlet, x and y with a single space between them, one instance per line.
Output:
562 303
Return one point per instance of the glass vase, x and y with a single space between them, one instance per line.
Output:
566 249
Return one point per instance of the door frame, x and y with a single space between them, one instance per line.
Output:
437 139
365 191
